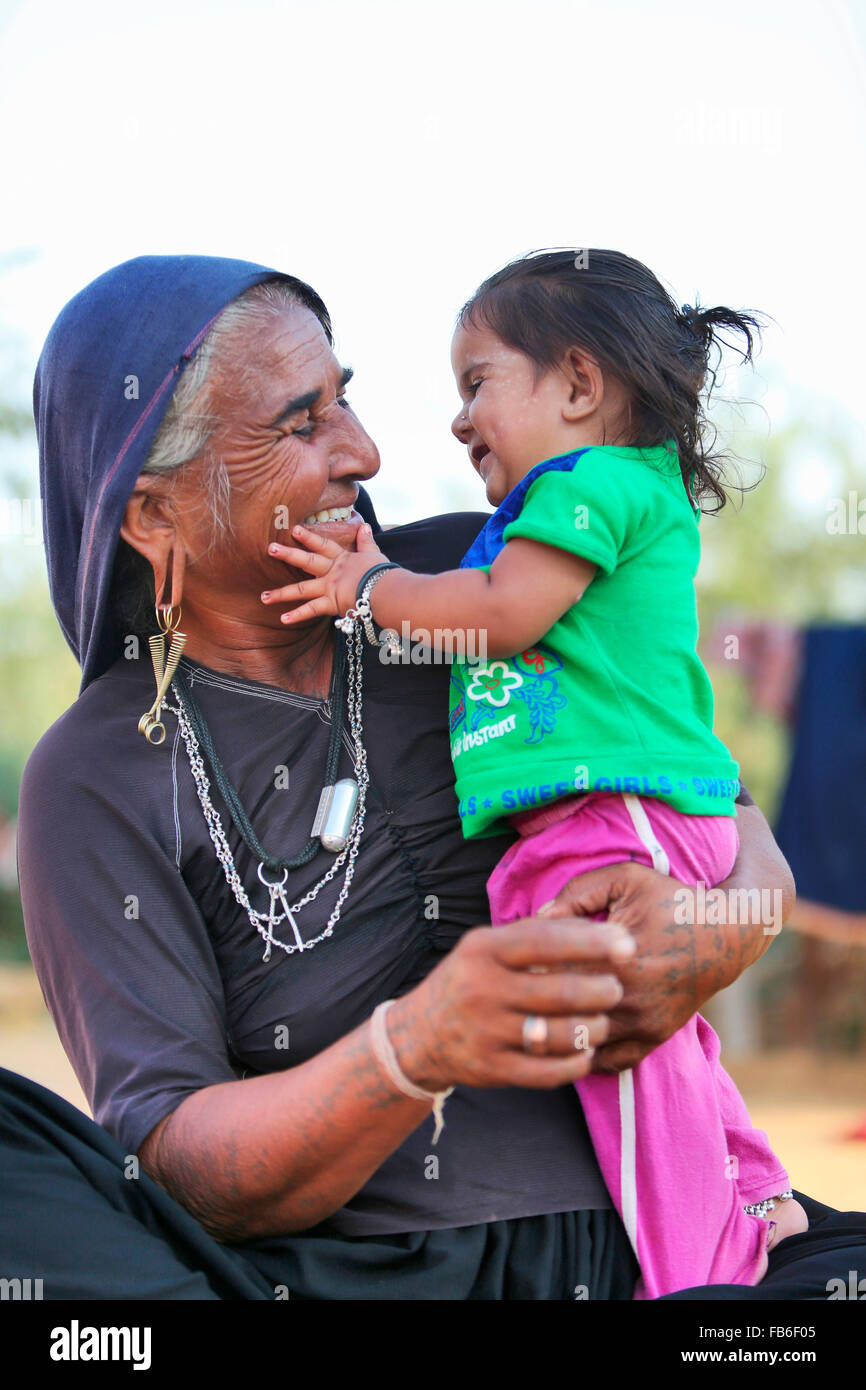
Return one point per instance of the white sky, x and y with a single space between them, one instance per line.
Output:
394 154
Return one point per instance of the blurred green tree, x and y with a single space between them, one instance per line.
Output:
38 674
771 553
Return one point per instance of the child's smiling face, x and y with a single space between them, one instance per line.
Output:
511 419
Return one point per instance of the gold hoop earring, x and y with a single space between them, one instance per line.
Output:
164 667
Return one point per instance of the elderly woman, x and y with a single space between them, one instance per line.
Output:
215 962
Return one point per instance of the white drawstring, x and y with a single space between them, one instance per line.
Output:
628 1126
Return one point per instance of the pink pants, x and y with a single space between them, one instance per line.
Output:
589 832
664 1132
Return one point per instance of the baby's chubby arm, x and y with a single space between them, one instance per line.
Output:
527 589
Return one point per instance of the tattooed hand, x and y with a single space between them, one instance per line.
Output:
463 1024
677 966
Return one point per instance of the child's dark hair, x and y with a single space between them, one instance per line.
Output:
614 308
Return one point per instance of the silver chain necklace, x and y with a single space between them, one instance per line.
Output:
265 922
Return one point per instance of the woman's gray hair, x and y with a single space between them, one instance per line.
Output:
187 428
189 423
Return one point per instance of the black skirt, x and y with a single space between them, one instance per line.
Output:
76 1215
571 1255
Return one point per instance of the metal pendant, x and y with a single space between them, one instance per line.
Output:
277 894
335 814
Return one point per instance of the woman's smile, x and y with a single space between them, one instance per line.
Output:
338 523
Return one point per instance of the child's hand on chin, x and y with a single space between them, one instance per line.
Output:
335 573
789 1219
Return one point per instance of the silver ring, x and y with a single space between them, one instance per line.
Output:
535 1034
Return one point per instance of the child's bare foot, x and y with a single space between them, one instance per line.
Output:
788 1219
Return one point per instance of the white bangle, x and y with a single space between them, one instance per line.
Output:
387 1059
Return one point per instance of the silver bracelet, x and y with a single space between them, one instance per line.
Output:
366 612
387 1059
764 1208
363 613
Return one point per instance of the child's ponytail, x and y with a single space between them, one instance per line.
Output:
696 442
616 310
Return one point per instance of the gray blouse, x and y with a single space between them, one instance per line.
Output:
154 974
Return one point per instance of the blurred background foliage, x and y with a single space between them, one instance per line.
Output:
39 676
769 556
775 555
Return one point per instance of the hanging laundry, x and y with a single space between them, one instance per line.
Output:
767 654
821 826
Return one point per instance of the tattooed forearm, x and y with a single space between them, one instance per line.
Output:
760 866
279 1153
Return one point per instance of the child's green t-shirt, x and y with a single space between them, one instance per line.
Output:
614 697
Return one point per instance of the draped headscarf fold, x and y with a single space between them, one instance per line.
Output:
103 383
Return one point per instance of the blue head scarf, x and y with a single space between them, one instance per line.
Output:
103 384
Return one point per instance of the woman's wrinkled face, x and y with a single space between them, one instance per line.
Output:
293 448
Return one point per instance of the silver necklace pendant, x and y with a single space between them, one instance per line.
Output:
276 892
335 813
339 823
